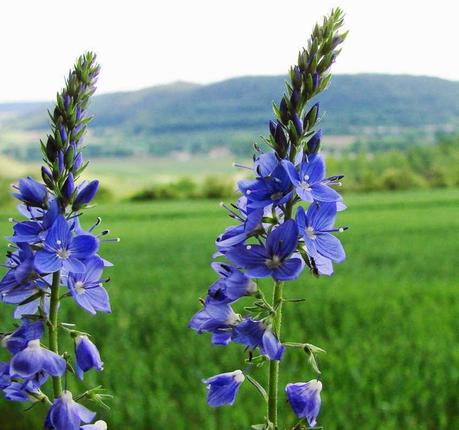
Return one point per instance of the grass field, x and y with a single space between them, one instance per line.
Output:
388 319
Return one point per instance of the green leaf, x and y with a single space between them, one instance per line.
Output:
258 386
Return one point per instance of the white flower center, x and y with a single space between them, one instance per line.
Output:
311 233
79 287
34 344
274 262
101 425
63 253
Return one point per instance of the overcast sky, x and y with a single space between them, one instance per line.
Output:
145 43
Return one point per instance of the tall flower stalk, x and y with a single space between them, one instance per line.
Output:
52 261
286 223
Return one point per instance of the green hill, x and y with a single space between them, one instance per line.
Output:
233 113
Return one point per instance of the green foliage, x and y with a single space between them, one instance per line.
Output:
388 320
231 113
213 187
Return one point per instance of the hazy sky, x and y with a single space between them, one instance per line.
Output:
144 43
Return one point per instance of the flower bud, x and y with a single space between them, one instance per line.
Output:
85 194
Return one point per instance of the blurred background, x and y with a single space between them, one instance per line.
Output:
185 90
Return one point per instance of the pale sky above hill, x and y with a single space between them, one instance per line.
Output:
143 43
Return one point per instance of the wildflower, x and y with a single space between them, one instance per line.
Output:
275 189
223 388
31 192
86 288
257 334
272 259
310 182
316 226
87 356
63 251
66 414
216 319
34 358
232 285
304 398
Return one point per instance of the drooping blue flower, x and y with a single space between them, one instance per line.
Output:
232 285
309 180
255 334
34 358
275 189
272 259
316 225
98 425
304 398
5 378
21 297
222 388
63 251
31 192
87 356
86 287
21 265
216 319
66 414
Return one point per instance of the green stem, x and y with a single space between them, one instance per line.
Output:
273 381
54 327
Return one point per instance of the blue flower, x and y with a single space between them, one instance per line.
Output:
66 414
34 358
86 287
257 334
304 398
31 192
63 251
251 223
24 293
26 391
232 285
98 425
223 388
310 182
216 319
316 225
21 264
5 379
272 259
87 356
19 339
275 189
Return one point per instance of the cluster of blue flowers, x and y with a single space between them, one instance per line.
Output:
286 223
51 258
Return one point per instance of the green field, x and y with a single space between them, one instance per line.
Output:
388 319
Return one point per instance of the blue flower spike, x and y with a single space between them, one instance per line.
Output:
284 221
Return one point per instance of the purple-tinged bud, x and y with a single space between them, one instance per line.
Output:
47 176
315 81
283 109
85 194
314 142
68 188
77 162
63 134
60 162
272 128
294 99
78 113
51 148
298 124
311 117
66 101
296 79
280 138
69 156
